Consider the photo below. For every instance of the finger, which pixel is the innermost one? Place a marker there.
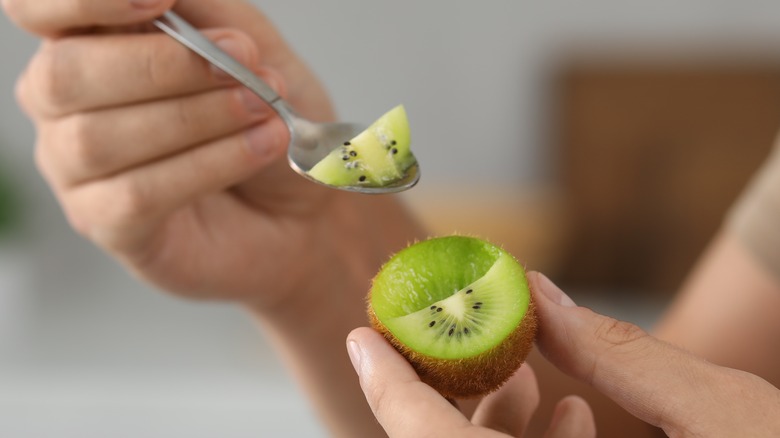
(118, 211)
(510, 409)
(240, 15)
(403, 404)
(51, 17)
(572, 418)
(86, 146)
(654, 381)
(309, 99)
(89, 73)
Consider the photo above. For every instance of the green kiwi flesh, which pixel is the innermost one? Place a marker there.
(378, 156)
(460, 310)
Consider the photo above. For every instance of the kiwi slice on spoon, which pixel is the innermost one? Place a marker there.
(378, 156)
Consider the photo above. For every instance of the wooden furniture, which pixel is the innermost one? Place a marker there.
(652, 154)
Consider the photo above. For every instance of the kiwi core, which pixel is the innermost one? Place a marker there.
(451, 298)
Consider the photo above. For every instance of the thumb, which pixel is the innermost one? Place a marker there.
(306, 95)
(238, 14)
(651, 379)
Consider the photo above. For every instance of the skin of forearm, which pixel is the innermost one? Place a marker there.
(309, 331)
(727, 311)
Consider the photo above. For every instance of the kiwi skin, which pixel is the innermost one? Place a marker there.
(473, 376)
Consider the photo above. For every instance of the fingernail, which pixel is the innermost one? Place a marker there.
(234, 49)
(252, 102)
(553, 292)
(353, 349)
(144, 3)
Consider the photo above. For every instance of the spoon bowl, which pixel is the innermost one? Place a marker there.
(309, 141)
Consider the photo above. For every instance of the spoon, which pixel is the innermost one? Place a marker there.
(309, 141)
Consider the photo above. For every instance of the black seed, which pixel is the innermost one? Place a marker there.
(345, 157)
(451, 332)
(478, 303)
(470, 291)
(393, 143)
(353, 153)
(362, 178)
(476, 307)
(432, 323)
(394, 151)
(439, 309)
(465, 330)
(433, 307)
(346, 143)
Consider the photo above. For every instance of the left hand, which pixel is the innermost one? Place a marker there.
(406, 407)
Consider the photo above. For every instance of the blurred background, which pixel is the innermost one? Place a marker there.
(601, 142)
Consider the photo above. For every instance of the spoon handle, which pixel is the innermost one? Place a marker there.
(183, 32)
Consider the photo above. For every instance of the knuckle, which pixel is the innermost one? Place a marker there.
(378, 397)
(77, 221)
(615, 333)
(22, 93)
(12, 9)
(43, 162)
(161, 65)
(614, 340)
(128, 202)
(82, 7)
(248, 48)
(51, 76)
(234, 104)
(242, 46)
(105, 212)
(184, 115)
(156, 66)
(85, 150)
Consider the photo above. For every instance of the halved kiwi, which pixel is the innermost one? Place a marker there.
(459, 309)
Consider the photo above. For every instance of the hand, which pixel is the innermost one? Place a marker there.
(181, 175)
(406, 407)
(174, 169)
(655, 381)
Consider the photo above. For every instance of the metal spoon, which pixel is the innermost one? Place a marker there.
(309, 141)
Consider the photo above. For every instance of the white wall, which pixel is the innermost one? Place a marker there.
(473, 77)
(473, 73)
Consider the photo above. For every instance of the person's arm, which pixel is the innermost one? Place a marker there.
(727, 311)
(657, 382)
(178, 173)
(309, 331)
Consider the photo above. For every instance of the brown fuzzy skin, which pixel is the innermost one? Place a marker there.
(472, 376)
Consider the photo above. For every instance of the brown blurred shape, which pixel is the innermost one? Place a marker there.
(652, 154)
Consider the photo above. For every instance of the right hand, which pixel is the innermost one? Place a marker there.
(661, 384)
(407, 407)
(657, 382)
(173, 168)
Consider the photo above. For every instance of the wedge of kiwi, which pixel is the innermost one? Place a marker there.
(459, 309)
(378, 156)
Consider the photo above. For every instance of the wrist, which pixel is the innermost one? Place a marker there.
(354, 235)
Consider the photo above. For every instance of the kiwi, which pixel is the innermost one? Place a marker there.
(459, 309)
(378, 156)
